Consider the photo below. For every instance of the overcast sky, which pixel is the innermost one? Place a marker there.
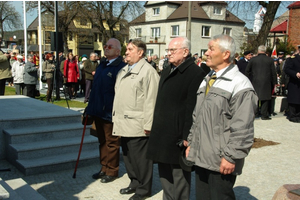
(249, 23)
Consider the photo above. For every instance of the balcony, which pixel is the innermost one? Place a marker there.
(154, 40)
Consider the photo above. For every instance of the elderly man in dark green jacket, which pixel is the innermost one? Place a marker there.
(90, 70)
(5, 71)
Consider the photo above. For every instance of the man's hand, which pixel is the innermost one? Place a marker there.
(187, 151)
(147, 132)
(93, 73)
(226, 167)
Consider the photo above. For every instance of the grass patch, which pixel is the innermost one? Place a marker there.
(259, 142)
(62, 102)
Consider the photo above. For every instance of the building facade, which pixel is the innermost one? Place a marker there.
(163, 21)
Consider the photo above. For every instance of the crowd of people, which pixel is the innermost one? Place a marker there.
(182, 112)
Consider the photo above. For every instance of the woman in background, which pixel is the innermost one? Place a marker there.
(18, 74)
(71, 75)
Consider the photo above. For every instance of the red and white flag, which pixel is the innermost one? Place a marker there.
(274, 52)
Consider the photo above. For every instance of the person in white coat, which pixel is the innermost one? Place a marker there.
(18, 74)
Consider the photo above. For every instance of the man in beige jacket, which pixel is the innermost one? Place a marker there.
(135, 95)
(5, 71)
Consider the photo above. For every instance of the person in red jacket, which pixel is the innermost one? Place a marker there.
(71, 74)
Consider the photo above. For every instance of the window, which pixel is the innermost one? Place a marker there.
(83, 22)
(70, 36)
(175, 30)
(205, 31)
(156, 11)
(203, 51)
(155, 32)
(138, 32)
(227, 31)
(96, 37)
(217, 10)
(149, 52)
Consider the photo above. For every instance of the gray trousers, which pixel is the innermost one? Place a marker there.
(175, 181)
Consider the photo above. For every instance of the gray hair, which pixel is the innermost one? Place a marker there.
(93, 53)
(29, 56)
(226, 43)
(186, 43)
(262, 48)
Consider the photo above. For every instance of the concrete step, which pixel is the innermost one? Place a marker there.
(58, 162)
(52, 147)
(24, 190)
(35, 120)
(9, 193)
(42, 133)
(3, 192)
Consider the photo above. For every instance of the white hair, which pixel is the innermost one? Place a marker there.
(226, 43)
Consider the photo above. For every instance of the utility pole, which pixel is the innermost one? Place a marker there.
(189, 20)
(57, 74)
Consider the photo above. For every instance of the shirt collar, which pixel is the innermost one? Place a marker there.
(219, 73)
(111, 61)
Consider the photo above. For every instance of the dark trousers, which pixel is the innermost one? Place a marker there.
(212, 185)
(139, 169)
(175, 181)
(88, 87)
(50, 88)
(294, 112)
(109, 147)
(30, 90)
(264, 108)
(2, 86)
(19, 88)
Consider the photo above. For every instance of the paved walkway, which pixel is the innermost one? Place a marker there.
(266, 169)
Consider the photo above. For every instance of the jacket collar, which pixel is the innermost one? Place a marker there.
(137, 68)
(116, 62)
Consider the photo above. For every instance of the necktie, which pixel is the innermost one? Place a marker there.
(210, 82)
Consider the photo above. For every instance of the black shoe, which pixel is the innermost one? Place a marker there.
(274, 114)
(137, 197)
(266, 118)
(127, 190)
(98, 175)
(107, 179)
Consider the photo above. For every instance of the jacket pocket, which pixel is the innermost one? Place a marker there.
(133, 114)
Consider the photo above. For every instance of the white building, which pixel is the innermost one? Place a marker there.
(164, 20)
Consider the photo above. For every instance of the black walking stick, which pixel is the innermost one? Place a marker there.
(74, 175)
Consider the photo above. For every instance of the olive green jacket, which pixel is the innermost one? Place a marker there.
(5, 69)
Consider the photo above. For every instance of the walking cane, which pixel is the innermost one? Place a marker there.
(74, 175)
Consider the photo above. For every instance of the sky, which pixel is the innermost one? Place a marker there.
(249, 18)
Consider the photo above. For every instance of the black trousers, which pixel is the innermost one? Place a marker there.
(264, 108)
(212, 185)
(294, 112)
(175, 181)
(139, 169)
(30, 90)
(2, 86)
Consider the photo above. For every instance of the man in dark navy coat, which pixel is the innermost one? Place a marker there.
(292, 69)
(172, 120)
(242, 63)
(100, 107)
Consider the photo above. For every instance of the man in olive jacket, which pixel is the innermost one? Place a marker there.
(5, 71)
(172, 120)
(90, 70)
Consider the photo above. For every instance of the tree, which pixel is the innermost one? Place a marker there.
(68, 10)
(108, 15)
(251, 6)
(9, 17)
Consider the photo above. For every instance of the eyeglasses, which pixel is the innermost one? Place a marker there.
(108, 46)
(173, 50)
